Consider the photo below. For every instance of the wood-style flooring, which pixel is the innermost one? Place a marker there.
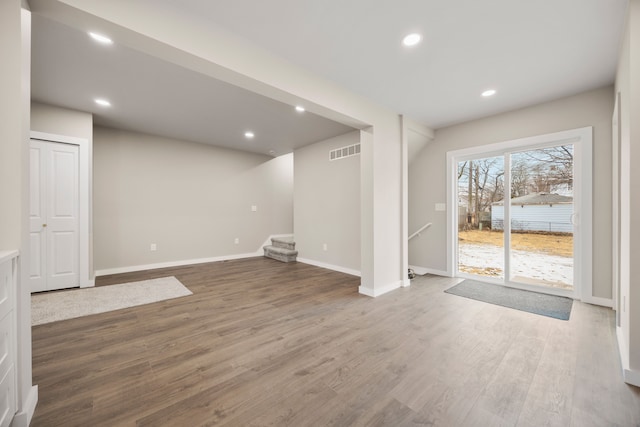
(263, 343)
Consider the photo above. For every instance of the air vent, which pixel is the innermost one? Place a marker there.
(341, 153)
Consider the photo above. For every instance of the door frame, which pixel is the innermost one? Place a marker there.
(582, 138)
(84, 202)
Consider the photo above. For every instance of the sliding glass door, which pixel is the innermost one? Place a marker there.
(541, 217)
(480, 243)
(517, 217)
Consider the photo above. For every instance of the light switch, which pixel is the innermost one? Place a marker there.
(254, 208)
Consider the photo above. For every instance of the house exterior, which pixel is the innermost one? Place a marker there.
(536, 212)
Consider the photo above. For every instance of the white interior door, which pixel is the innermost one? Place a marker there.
(54, 220)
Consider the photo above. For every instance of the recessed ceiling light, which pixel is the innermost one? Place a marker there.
(249, 134)
(100, 38)
(102, 102)
(489, 92)
(300, 109)
(412, 39)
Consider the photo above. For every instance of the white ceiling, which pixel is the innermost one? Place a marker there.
(153, 96)
(529, 51)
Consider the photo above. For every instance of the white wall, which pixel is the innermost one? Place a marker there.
(15, 37)
(427, 173)
(233, 60)
(10, 131)
(57, 120)
(628, 86)
(61, 121)
(27, 392)
(191, 200)
(327, 204)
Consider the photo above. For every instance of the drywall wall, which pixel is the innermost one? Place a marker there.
(191, 200)
(27, 392)
(628, 88)
(235, 61)
(15, 87)
(10, 131)
(622, 87)
(61, 121)
(57, 120)
(326, 208)
(634, 195)
(427, 173)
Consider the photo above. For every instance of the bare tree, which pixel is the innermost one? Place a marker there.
(470, 212)
(519, 179)
(461, 168)
(551, 168)
(480, 183)
(497, 191)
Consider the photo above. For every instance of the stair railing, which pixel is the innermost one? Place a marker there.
(420, 230)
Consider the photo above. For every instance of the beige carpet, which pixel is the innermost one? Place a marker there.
(53, 306)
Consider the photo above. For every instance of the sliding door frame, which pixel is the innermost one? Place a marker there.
(582, 141)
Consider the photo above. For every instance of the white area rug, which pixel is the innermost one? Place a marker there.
(54, 306)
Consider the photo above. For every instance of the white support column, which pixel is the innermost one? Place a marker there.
(15, 42)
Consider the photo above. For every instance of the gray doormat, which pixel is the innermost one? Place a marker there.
(532, 302)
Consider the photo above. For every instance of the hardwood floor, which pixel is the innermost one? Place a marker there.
(266, 343)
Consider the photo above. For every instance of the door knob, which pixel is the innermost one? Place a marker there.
(44, 225)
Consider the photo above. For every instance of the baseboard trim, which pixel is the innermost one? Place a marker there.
(132, 268)
(605, 302)
(181, 263)
(23, 418)
(329, 266)
(631, 377)
(628, 375)
(424, 270)
(622, 348)
(379, 291)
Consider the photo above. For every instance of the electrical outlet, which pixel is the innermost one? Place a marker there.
(237, 241)
(441, 207)
(324, 247)
(153, 247)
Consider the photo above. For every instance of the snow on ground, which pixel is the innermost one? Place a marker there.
(531, 265)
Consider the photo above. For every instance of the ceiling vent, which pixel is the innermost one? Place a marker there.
(341, 153)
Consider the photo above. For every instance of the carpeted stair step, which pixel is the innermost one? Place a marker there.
(283, 243)
(280, 254)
